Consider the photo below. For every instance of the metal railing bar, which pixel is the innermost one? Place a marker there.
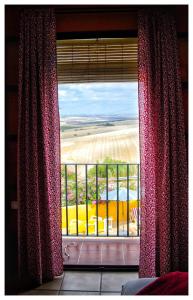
(138, 200)
(86, 175)
(117, 200)
(107, 200)
(94, 235)
(66, 187)
(97, 199)
(96, 164)
(120, 179)
(101, 235)
(128, 200)
(76, 199)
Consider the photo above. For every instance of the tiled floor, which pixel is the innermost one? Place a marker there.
(108, 252)
(85, 283)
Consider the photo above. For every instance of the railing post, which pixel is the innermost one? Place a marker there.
(86, 176)
(76, 199)
(107, 200)
(138, 200)
(97, 199)
(128, 200)
(66, 187)
(117, 200)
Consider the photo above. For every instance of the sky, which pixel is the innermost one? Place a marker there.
(99, 99)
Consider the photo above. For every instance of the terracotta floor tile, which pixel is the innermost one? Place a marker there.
(112, 256)
(112, 262)
(90, 255)
(133, 241)
(91, 246)
(131, 258)
(89, 252)
(131, 247)
(112, 248)
(93, 262)
(76, 245)
(128, 249)
(71, 261)
(112, 251)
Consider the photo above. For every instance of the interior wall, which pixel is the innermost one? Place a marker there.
(69, 19)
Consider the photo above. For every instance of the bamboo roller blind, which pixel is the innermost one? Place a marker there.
(97, 60)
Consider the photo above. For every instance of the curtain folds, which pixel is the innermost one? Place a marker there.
(164, 175)
(40, 238)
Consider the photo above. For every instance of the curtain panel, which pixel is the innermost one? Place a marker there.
(164, 175)
(40, 237)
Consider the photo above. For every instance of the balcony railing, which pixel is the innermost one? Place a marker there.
(101, 199)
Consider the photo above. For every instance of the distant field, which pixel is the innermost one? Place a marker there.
(89, 144)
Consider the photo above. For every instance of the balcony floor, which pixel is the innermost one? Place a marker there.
(101, 251)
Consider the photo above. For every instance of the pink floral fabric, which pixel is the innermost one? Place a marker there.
(164, 182)
(40, 238)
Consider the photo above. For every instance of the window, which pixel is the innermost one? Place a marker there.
(99, 136)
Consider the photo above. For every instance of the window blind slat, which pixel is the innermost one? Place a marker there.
(97, 60)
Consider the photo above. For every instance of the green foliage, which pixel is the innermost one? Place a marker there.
(108, 124)
(65, 127)
(112, 169)
(79, 191)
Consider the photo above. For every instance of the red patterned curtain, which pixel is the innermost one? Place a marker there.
(164, 182)
(40, 238)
